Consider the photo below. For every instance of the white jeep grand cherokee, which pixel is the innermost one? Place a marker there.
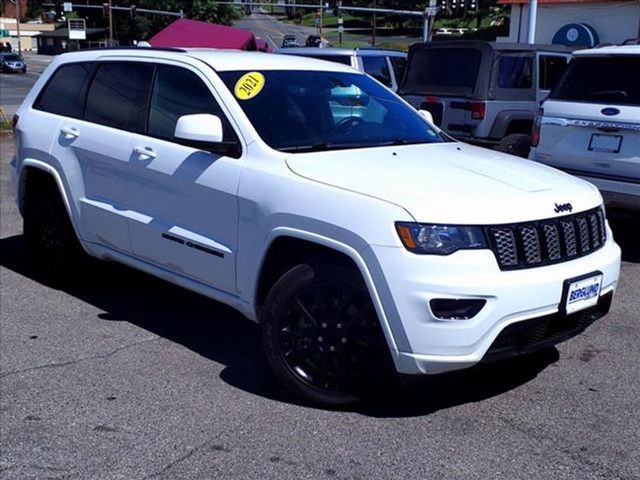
(312, 199)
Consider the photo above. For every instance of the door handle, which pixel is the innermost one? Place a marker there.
(70, 132)
(145, 151)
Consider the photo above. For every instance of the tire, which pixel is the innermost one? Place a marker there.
(53, 249)
(321, 335)
(517, 144)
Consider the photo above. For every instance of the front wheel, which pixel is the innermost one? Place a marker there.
(321, 334)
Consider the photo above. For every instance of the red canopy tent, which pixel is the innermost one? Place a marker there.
(194, 33)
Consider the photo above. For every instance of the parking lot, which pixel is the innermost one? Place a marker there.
(125, 376)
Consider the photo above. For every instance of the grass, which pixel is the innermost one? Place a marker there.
(331, 21)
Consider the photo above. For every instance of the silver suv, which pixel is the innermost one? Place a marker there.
(386, 66)
(483, 93)
(590, 124)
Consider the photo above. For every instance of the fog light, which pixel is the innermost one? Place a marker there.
(456, 309)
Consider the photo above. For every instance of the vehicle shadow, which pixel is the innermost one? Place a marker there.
(223, 335)
(624, 224)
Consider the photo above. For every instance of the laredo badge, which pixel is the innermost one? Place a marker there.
(249, 85)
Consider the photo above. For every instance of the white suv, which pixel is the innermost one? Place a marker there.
(590, 124)
(360, 242)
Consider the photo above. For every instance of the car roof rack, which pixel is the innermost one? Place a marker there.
(132, 47)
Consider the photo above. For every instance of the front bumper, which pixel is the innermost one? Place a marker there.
(425, 344)
(13, 68)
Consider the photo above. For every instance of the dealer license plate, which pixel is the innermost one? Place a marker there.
(605, 143)
(582, 293)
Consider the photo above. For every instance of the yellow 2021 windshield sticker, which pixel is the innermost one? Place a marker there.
(249, 85)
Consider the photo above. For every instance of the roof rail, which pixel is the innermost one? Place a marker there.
(131, 47)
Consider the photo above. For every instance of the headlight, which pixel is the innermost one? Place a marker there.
(440, 239)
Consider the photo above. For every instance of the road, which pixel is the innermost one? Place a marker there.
(123, 376)
(271, 30)
(15, 86)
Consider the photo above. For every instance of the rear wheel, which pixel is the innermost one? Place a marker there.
(517, 144)
(321, 334)
(52, 247)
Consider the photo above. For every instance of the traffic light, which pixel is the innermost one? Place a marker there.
(132, 11)
(105, 9)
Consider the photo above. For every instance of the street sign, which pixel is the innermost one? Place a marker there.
(67, 7)
(340, 28)
(431, 11)
(77, 29)
(317, 21)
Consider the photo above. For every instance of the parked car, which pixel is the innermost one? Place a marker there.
(362, 245)
(263, 46)
(445, 31)
(313, 41)
(290, 41)
(12, 62)
(590, 124)
(484, 93)
(386, 66)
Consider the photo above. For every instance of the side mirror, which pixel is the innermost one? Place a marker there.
(199, 127)
(426, 114)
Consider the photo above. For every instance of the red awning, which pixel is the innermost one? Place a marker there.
(194, 33)
(509, 2)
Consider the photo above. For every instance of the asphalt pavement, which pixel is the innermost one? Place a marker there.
(124, 376)
(271, 30)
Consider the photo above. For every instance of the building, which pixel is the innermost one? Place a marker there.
(29, 32)
(57, 41)
(576, 22)
(9, 8)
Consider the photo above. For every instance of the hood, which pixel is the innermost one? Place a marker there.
(450, 183)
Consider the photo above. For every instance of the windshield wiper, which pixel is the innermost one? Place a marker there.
(316, 147)
(399, 141)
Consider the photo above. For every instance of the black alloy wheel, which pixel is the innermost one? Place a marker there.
(52, 247)
(322, 336)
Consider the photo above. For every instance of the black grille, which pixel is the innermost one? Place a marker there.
(534, 244)
(538, 333)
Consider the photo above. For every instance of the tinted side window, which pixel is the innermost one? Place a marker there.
(514, 72)
(378, 68)
(119, 94)
(178, 92)
(399, 64)
(344, 59)
(64, 93)
(551, 69)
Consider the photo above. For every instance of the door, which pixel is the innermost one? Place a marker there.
(184, 198)
(378, 68)
(549, 71)
(95, 147)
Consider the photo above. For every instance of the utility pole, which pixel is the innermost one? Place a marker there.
(17, 4)
(373, 27)
(110, 25)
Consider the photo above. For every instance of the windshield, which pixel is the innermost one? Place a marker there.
(298, 111)
(611, 80)
(11, 58)
(443, 70)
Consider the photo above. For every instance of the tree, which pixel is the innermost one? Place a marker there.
(143, 26)
(210, 11)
